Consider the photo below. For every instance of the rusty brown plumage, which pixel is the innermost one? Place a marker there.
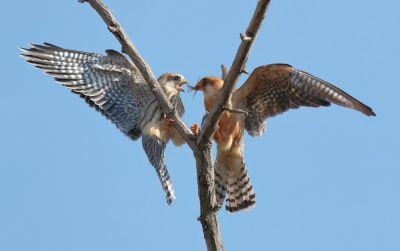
(270, 90)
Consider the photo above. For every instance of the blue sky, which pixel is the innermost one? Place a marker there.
(325, 179)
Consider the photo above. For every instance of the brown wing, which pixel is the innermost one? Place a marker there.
(274, 89)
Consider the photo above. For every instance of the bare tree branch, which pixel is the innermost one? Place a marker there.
(201, 150)
(204, 163)
(225, 71)
(127, 47)
(231, 110)
(245, 71)
(238, 66)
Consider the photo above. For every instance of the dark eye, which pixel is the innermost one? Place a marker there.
(176, 78)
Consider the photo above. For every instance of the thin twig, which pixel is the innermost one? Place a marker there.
(231, 110)
(225, 71)
(246, 38)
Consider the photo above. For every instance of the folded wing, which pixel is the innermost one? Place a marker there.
(274, 89)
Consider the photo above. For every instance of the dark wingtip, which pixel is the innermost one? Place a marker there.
(169, 201)
(365, 109)
(371, 113)
(52, 45)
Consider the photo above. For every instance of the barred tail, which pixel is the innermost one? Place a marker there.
(221, 183)
(155, 148)
(241, 196)
(166, 183)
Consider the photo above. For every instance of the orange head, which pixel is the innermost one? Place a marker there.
(210, 85)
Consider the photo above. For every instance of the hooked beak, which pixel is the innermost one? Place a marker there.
(182, 83)
(198, 86)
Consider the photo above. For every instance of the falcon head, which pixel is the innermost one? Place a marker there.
(172, 83)
(209, 85)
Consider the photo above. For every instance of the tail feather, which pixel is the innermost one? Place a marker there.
(166, 183)
(221, 187)
(155, 148)
(241, 196)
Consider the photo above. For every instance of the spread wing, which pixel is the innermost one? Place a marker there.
(109, 83)
(274, 89)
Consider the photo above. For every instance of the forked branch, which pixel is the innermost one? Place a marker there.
(201, 150)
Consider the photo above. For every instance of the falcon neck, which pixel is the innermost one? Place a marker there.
(211, 87)
(169, 91)
(210, 100)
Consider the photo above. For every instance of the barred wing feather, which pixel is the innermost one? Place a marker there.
(109, 83)
(273, 89)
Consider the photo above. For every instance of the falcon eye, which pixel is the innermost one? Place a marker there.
(176, 78)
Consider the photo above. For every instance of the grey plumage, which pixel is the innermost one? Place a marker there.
(110, 83)
(113, 86)
(155, 151)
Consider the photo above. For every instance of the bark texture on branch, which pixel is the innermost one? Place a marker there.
(208, 203)
(202, 148)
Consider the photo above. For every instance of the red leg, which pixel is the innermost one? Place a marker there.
(167, 126)
(195, 129)
(218, 134)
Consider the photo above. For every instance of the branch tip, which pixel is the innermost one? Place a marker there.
(225, 71)
(216, 207)
(113, 29)
(245, 71)
(245, 38)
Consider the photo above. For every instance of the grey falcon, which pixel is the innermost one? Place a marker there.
(113, 86)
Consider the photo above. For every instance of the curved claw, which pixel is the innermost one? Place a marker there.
(195, 129)
(167, 126)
